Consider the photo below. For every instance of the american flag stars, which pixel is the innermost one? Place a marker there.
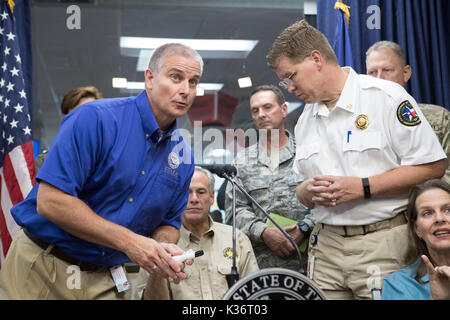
(16, 145)
(16, 124)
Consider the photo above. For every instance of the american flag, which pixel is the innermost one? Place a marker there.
(17, 174)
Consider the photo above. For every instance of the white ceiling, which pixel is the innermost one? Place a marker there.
(64, 59)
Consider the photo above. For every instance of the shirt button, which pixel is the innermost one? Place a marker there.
(103, 253)
(130, 200)
(147, 135)
(143, 172)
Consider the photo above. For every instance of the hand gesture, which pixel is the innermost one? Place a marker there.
(439, 278)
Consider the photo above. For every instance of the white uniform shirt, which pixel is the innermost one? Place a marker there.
(329, 143)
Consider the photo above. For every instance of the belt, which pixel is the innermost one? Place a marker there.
(58, 253)
(350, 231)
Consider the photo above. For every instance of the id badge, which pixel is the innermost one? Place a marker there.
(311, 267)
(119, 277)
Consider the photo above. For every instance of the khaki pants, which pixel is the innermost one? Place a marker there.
(349, 267)
(29, 272)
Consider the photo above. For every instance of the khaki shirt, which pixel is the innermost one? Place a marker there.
(207, 276)
(439, 119)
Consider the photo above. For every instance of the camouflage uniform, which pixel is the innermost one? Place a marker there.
(39, 160)
(274, 190)
(439, 119)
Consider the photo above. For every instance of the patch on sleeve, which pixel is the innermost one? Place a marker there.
(407, 115)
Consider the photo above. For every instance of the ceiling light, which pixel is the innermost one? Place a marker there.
(210, 86)
(200, 91)
(208, 48)
(130, 85)
(245, 82)
(136, 85)
(197, 44)
(119, 82)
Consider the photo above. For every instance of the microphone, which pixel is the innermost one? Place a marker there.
(221, 169)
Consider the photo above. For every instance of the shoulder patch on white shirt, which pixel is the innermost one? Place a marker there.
(407, 115)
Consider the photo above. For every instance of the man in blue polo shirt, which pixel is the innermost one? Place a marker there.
(111, 190)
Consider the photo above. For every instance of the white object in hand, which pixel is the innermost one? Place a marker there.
(190, 254)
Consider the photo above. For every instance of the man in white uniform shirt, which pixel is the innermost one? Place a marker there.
(361, 145)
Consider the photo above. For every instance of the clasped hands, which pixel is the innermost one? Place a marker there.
(330, 191)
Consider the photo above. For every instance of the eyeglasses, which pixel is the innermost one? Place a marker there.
(286, 82)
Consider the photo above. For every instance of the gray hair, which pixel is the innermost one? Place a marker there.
(383, 45)
(168, 49)
(276, 91)
(209, 175)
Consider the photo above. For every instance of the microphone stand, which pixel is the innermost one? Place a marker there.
(233, 277)
(230, 178)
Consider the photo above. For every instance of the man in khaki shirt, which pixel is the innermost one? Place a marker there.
(207, 276)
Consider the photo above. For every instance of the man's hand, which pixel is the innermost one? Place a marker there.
(295, 233)
(308, 189)
(277, 242)
(156, 257)
(330, 191)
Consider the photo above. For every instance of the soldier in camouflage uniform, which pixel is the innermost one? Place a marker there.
(439, 119)
(385, 60)
(265, 171)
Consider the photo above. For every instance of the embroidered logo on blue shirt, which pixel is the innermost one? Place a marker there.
(174, 160)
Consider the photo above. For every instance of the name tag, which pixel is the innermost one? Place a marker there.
(120, 279)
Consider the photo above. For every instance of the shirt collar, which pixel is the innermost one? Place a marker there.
(151, 127)
(347, 99)
(186, 236)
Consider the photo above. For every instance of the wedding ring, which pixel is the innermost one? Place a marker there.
(154, 267)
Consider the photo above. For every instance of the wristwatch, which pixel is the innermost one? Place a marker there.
(303, 226)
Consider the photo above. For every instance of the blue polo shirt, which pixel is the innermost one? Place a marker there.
(401, 285)
(111, 154)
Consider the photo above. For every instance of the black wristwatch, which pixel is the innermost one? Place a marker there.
(303, 226)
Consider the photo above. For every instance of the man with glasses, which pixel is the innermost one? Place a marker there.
(264, 169)
(361, 145)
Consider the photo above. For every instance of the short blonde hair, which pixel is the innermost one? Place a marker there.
(296, 42)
